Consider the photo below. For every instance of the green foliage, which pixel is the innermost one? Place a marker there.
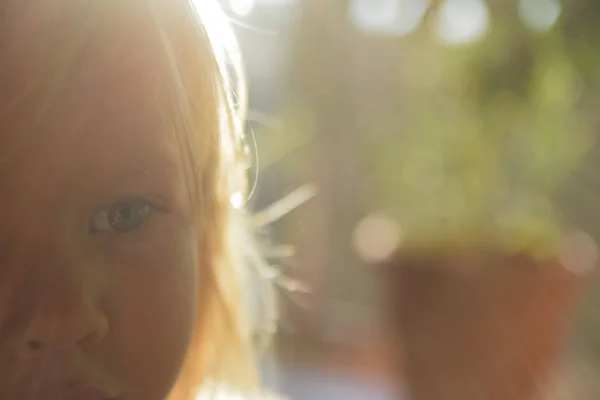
(487, 140)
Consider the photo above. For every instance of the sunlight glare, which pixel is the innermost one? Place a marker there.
(237, 200)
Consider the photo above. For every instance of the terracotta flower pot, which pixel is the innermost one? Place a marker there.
(477, 324)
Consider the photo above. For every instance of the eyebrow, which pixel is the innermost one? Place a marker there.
(135, 170)
(156, 168)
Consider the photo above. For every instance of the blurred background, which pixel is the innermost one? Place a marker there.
(408, 113)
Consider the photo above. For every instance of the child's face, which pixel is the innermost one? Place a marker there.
(98, 264)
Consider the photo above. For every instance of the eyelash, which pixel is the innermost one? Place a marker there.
(112, 218)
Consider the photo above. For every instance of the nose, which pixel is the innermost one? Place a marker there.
(64, 314)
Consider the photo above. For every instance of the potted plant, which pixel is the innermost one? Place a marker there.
(485, 279)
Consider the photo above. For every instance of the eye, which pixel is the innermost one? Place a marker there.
(121, 217)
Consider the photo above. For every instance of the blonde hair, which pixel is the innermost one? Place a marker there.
(226, 340)
(202, 107)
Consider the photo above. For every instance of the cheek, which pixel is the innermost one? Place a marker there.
(155, 306)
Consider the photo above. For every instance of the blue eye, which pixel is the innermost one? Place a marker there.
(122, 217)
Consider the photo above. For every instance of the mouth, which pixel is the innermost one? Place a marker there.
(83, 393)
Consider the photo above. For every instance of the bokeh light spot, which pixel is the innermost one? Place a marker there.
(376, 237)
(374, 15)
(243, 8)
(394, 17)
(461, 21)
(539, 15)
(579, 253)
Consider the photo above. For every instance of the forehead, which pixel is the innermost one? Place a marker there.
(103, 124)
(99, 104)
